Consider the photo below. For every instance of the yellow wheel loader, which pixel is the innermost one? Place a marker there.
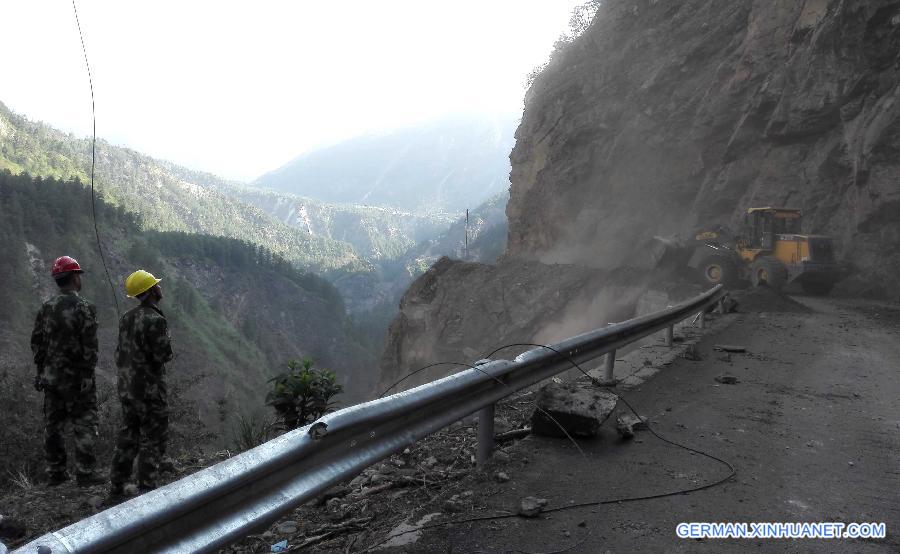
(770, 249)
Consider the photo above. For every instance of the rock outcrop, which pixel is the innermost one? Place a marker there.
(665, 115)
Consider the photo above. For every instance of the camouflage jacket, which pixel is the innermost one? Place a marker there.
(144, 343)
(64, 340)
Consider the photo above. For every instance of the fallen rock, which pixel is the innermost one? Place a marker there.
(531, 506)
(95, 502)
(726, 379)
(338, 491)
(288, 527)
(501, 477)
(379, 479)
(359, 481)
(729, 348)
(577, 407)
(627, 423)
(454, 506)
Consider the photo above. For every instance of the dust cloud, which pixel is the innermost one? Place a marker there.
(591, 310)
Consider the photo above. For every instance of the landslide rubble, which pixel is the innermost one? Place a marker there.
(461, 312)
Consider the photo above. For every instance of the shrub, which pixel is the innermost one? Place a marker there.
(302, 394)
(251, 431)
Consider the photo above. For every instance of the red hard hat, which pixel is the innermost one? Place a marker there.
(65, 264)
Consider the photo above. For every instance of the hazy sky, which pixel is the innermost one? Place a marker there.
(239, 88)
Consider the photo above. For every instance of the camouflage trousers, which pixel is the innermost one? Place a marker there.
(143, 434)
(78, 407)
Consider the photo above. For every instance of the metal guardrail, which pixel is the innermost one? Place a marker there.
(223, 503)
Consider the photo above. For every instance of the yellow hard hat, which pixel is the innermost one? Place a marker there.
(140, 282)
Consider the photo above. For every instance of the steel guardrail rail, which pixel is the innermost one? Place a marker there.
(225, 502)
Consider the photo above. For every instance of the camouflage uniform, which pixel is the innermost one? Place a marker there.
(144, 348)
(64, 344)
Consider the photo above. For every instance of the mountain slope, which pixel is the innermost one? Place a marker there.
(237, 312)
(166, 196)
(445, 165)
(375, 233)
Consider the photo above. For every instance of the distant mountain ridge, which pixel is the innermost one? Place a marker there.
(376, 233)
(446, 165)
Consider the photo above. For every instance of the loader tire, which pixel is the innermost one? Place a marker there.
(768, 271)
(717, 270)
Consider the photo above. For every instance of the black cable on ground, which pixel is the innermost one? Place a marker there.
(731, 469)
(112, 287)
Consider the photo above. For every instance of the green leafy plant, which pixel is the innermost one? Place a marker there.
(302, 394)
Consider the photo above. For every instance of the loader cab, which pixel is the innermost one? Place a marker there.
(763, 224)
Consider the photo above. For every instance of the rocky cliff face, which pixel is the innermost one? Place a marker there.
(665, 115)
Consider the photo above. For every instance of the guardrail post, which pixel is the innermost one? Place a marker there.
(609, 367)
(485, 436)
(703, 319)
(721, 305)
(670, 335)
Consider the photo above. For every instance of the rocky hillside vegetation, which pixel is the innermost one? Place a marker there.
(375, 233)
(167, 197)
(662, 116)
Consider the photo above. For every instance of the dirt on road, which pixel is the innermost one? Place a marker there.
(812, 427)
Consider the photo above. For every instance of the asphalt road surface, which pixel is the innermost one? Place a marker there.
(812, 429)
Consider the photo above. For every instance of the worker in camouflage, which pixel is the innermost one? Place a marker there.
(144, 348)
(64, 344)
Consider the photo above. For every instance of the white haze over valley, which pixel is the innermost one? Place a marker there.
(239, 88)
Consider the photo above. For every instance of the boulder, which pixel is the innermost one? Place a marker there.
(288, 527)
(727, 379)
(626, 424)
(531, 506)
(578, 407)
